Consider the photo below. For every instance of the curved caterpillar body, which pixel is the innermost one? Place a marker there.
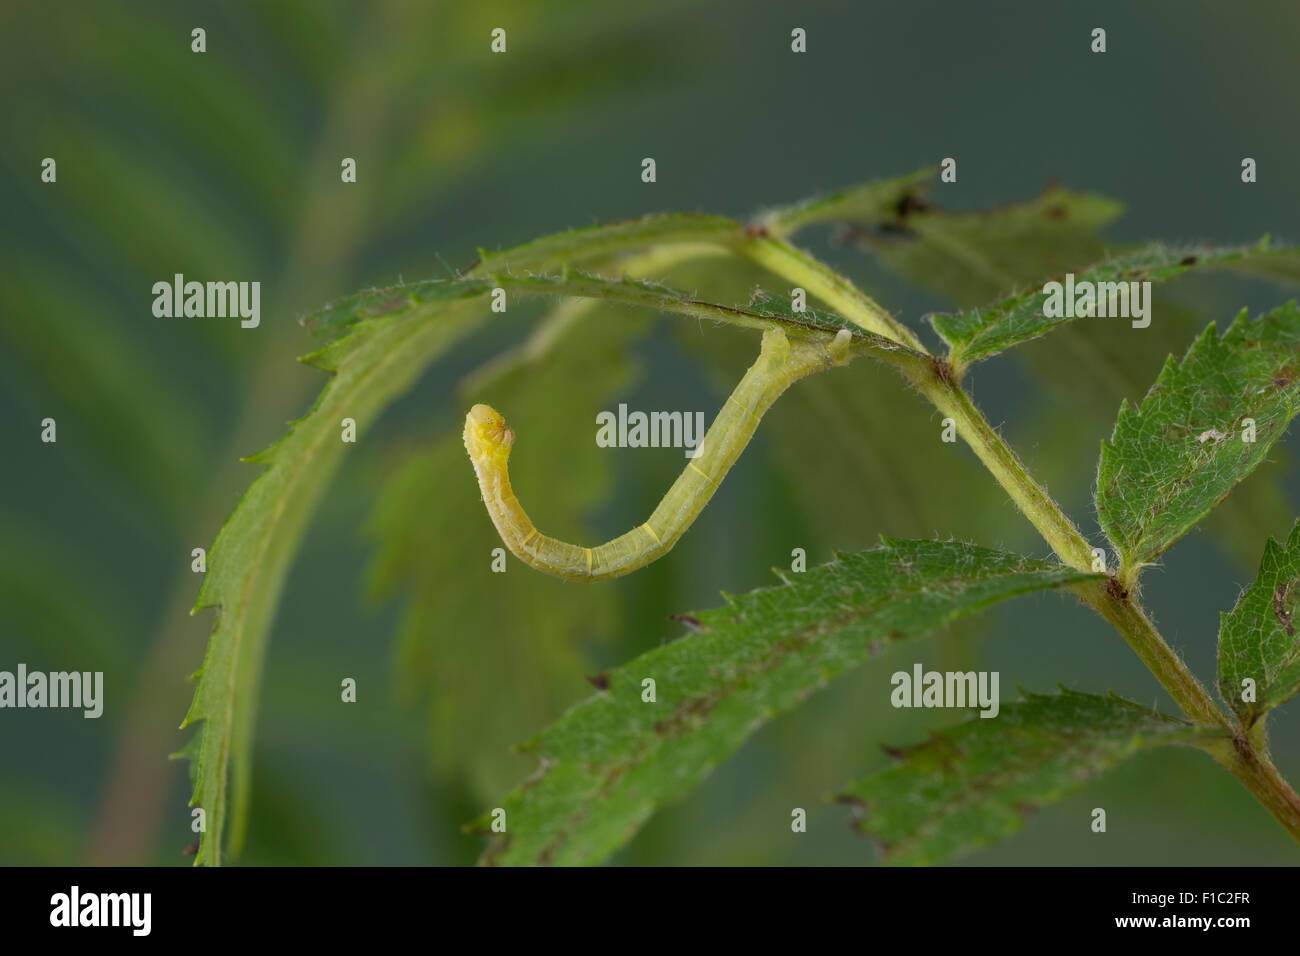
(780, 364)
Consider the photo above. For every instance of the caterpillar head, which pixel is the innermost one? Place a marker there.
(486, 434)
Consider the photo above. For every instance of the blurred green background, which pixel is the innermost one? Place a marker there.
(225, 165)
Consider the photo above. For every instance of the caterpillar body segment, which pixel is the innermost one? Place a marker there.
(488, 441)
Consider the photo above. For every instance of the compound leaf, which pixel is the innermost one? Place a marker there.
(378, 341)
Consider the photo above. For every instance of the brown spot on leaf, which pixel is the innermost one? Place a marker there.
(756, 230)
(1056, 212)
(1280, 609)
(1283, 379)
(693, 624)
(191, 850)
(688, 711)
(1187, 261)
(908, 204)
(387, 305)
(598, 681)
(1116, 590)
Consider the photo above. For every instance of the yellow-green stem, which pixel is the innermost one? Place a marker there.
(1245, 758)
(936, 384)
(825, 283)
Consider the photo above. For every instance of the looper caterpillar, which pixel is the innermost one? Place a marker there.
(780, 364)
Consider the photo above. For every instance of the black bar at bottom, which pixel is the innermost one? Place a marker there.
(933, 905)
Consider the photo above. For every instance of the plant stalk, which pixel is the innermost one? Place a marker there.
(937, 385)
(1231, 746)
(1255, 770)
(839, 293)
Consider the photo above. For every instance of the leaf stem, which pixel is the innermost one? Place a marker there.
(1250, 764)
(783, 259)
(1130, 619)
(1245, 758)
(936, 380)
(937, 384)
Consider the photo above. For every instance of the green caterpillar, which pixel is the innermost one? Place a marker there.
(488, 441)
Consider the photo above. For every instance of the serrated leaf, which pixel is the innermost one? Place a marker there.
(764, 311)
(191, 751)
(1177, 455)
(980, 333)
(336, 318)
(973, 785)
(372, 365)
(576, 245)
(609, 763)
(1259, 639)
(981, 256)
(1091, 368)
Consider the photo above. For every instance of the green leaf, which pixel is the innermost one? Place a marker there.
(1258, 638)
(247, 565)
(338, 318)
(1089, 369)
(977, 257)
(973, 785)
(611, 761)
(551, 252)
(869, 204)
(762, 312)
(1179, 453)
(981, 333)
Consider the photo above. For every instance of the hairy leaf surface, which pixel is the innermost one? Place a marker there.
(1259, 639)
(611, 761)
(980, 333)
(1173, 458)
